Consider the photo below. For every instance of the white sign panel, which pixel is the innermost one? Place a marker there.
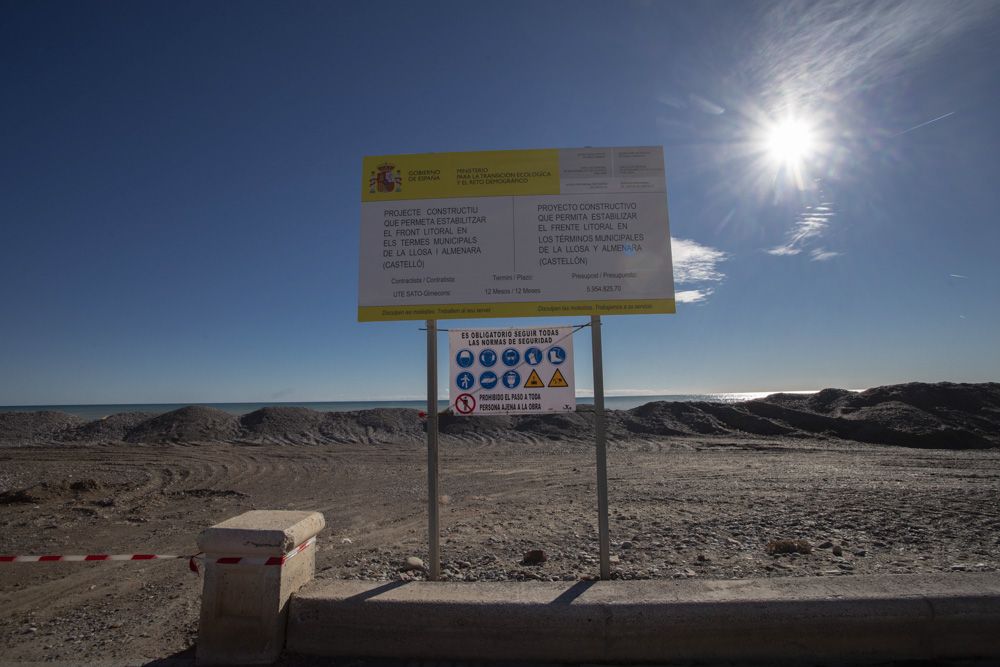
(581, 231)
(521, 370)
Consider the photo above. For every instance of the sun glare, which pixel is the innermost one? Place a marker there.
(790, 142)
(787, 150)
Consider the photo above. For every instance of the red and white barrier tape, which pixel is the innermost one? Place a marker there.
(51, 558)
(250, 560)
(223, 560)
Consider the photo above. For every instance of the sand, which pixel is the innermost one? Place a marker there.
(696, 490)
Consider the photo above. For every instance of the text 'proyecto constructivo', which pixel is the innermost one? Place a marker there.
(515, 233)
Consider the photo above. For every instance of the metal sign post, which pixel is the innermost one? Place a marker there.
(602, 450)
(447, 236)
(433, 529)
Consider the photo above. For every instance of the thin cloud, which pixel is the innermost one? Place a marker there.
(809, 225)
(805, 50)
(671, 101)
(695, 263)
(958, 275)
(707, 106)
(693, 295)
(822, 254)
(692, 101)
(784, 250)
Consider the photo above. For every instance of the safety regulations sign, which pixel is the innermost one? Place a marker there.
(511, 371)
(579, 231)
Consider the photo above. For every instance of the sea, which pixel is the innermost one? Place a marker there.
(610, 402)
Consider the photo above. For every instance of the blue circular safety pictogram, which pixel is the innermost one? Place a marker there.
(557, 355)
(465, 358)
(487, 357)
(511, 379)
(488, 380)
(465, 380)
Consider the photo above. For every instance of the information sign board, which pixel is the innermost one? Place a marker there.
(522, 370)
(581, 231)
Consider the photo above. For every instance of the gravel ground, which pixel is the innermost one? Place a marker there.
(685, 506)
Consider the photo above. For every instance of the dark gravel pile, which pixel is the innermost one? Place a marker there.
(942, 415)
(42, 426)
(193, 423)
(473, 427)
(916, 414)
(373, 426)
(282, 423)
(663, 418)
(565, 426)
(112, 428)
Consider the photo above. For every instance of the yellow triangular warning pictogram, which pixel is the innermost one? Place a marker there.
(558, 380)
(534, 381)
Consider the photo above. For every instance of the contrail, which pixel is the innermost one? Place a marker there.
(917, 127)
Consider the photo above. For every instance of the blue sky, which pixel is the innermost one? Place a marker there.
(179, 202)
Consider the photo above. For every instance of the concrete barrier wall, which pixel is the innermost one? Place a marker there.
(858, 619)
(253, 563)
(257, 561)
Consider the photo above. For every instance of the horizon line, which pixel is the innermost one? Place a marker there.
(413, 399)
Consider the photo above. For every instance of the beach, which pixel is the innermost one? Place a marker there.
(902, 479)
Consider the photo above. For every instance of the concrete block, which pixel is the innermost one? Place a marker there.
(802, 619)
(244, 605)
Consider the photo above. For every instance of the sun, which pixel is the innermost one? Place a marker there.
(788, 148)
(789, 142)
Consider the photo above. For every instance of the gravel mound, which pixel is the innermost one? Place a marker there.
(666, 418)
(475, 427)
(193, 423)
(825, 401)
(942, 415)
(561, 426)
(380, 425)
(282, 424)
(112, 428)
(28, 427)
(947, 398)
(896, 416)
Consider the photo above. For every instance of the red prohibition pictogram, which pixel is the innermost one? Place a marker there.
(465, 403)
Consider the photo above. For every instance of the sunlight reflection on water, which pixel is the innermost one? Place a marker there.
(610, 402)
